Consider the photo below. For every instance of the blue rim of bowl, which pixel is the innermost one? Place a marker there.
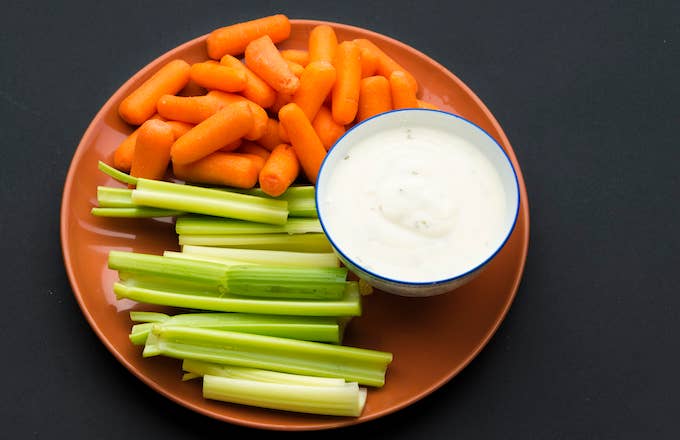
(421, 283)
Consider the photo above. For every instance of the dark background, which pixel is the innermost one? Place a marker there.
(587, 93)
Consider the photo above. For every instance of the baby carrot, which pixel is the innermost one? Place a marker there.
(270, 139)
(250, 147)
(260, 116)
(374, 97)
(263, 58)
(228, 169)
(152, 150)
(219, 77)
(386, 65)
(225, 126)
(345, 96)
(425, 104)
(316, 83)
(403, 93)
(192, 89)
(231, 146)
(140, 105)
(257, 90)
(233, 39)
(258, 161)
(192, 109)
(281, 100)
(369, 62)
(305, 141)
(296, 68)
(322, 43)
(296, 55)
(283, 134)
(122, 157)
(326, 128)
(179, 128)
(279, 171)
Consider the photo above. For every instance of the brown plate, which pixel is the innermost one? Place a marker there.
(432, 339)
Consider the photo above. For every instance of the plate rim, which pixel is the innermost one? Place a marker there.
(340, 422)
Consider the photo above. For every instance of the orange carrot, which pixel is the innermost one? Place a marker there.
(152, 150)
(326, 128)
(225, 126)
(374, 97)
(296, 55)
(281, 100)
(322, 43)
(219, 77)
(140, 105)
(192, 109)
(283, 134)
(403, 93)
(345, 96)
(250, 147)
(257, 90)
(279, 171)
(305, 141)
(192, 89)
(233, 39)
(316, 83)
(369, 62)
(228, 169)
(122, 157)
(270, 139)
(425, 104)
(386, 65)
(263, 58)
(231, 146)
(258, 161)
(179, 128)
(296, 68)
(260, 116)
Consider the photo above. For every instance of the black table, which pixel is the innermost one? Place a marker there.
(587, 93)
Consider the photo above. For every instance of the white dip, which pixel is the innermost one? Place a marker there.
(415, 204)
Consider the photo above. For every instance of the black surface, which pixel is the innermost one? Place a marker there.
(587, 93)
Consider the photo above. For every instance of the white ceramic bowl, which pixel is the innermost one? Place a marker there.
(458, 130)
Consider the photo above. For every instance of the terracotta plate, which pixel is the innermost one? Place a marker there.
(432, 338)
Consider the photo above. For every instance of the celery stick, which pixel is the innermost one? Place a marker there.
(301, 199)
(140, 316)
(207, 225)
(108, 197)
(209, 201)
(306, 328)
(282, 258)
(336, 401)
(201, 368)
(190, 376)
(353, 364)
(135, 212)
(311, 242)
(118, 175)
(326, 283)
(348, 305)
(224, 261)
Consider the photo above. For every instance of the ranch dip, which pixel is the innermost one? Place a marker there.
(415, 204)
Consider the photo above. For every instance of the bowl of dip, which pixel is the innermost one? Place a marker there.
(417, 202)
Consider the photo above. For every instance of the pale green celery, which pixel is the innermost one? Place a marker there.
(141, 316)
(136, 212)
(301, 199)
(223, 261)
(278, 258)
(306, 328)
(118, 175)
(310, 242)
(347, 400)
(326, 283)
(108, 197)
(207, 225)
(209, 201)
(201, 368)
(352, 364)
(348, 305)
(190, 376)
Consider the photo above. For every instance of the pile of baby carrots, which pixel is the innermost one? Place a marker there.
(256, 115)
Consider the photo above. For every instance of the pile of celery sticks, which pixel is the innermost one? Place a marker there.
(264, 297)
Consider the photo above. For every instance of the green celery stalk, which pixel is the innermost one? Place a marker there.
(348, 305)
(223, 261)
(207, 225)
(209, 201)
(114, 173)
(352, 364)
(201, 368)
(135, 212)
(301, 199)
(306, 328)
(108, 197)
(269, 257)
(311, 242)
(141, 316)
(347, 400)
